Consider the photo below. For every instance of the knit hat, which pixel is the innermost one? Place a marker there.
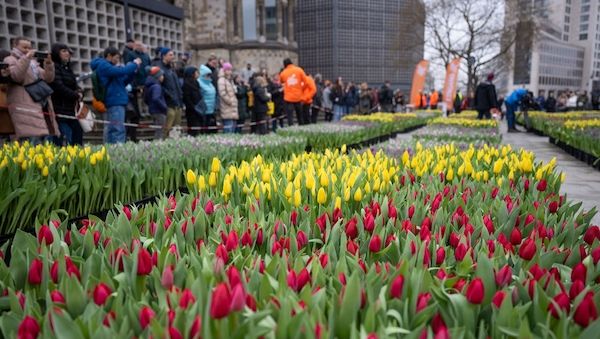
(189, 71)
(154, 71)
(164, 51)
(490, 76)
(227, 66)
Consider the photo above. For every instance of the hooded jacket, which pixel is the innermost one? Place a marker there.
(515, 97)
(485, 97)
(228, 100)
(65, 87)
(153, 96)
(114, 79)
(209, 92)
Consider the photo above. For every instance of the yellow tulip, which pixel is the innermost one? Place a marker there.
(338, 202)
(358, 195)
(450, 174)
(24, 165)
(45, 171)
(321, 196)
(266, 175)
(226, 186)
(323, 180)
(216, 165)
(201, 183)
(297, 198)
(93, 160)
(498, 166)
(191, 177)
(289, 190)
(310, 182)
(212, 179)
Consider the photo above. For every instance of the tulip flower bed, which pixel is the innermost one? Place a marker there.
(355, 130)
(34, 181)
(445, 243)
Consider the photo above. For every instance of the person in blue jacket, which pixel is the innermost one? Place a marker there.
(115, 80)
(512, 104)
(209, 95)
(155, 99)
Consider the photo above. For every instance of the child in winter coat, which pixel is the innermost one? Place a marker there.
(155, 99)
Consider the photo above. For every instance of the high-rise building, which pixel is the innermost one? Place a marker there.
(259, 32)
(89, 26)
(557, 46)
(359, 40)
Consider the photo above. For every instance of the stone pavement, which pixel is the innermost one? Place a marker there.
(582, 182)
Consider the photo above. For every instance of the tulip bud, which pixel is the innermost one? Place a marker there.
(440, 255)
(397, 286)
(187, 299)
(422, 301)
(144, 262)
(586, 311)
(34, 276)
(527, 249)
(351, 229)
(303, 279)
(146, 316)
(220, 302)
(541, 186)
(196, 328)
(28, 328)
(209, 208)
(503, 276)
(498, 298)
(101, 293)
(475, 291)
(579, 272)
(375, 244)
(57, 297)
(563, 302)
(45, 235)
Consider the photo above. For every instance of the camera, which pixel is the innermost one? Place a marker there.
(40, 55)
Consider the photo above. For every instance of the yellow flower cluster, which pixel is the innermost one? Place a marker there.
(464, 115)
(465, 122)
(582, 124)
(380, 117)
(45, 156)
(565, 116)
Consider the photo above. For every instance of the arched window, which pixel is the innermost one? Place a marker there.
(249, 19)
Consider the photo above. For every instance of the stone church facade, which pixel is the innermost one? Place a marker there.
(260, 32)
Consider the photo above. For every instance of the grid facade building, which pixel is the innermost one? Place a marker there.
(358, 40)
(89, 26)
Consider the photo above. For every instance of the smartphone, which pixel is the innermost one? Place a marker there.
(3, 65)
(41, 55)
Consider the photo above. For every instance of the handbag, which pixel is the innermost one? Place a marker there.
(85, 116)
(200, 108)
(39, 90)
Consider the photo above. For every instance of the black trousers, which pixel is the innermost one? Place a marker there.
(290, 108)
(193, 120)
(484, 114)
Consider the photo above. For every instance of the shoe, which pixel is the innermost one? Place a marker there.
(512, 130)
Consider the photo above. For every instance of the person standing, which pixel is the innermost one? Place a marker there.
(66, 95)
(261, 98)
(293, 80)
(242, 98)
(434, 99)
(228, 99)
(351, 98)
(386, 97)
(485, 98)
(191, 98)
(550, 104)
(317, 104)
(114, 79)
(541, 100)
(171, 89)
(155, 99)
(33, 120)
(247, 73)
(364, 101)
(338, 97)
(209, 95)
(327, 104)
(6, 125)
(276, 91)
(512, 103)
(458, 99)
(310, 90)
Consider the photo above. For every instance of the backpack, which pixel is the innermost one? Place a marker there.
(99, 93)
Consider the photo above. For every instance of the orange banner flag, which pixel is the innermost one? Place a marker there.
(451, 81)
(418, 83)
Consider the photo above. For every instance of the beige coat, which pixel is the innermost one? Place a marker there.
(228, 100)
(27, 115)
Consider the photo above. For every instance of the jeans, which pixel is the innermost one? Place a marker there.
(510, 116)
(229, 125)
(71, 132)
(159, 119)
(338, 112)
(114, 131)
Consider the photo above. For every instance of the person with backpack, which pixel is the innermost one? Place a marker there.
(155, 99)
(191, 98)
(109, 86)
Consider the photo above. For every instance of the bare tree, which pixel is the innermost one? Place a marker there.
(474, 30)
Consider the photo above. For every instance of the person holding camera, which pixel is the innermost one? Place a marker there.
(516, 98)
(28, 93)
(66, 95)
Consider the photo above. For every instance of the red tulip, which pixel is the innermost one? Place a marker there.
(259, 237)
(375, 244)
(563, 302)
(35, 272)
(167, 277)
(144, 266)
(369, 223)
(238, 299)
(246, 239)
(515, 236)
(372, 336)
(28, 329)
(196, 327)
(586, 311)
(127, 212)
(303, 279)
(475, 291)
(146, 316)
(541, 186)
(302, 239)
(352, 247)
(579, 272)
(351, 229)
(108, 318)
(440, 255)
(529, 219)
(187, 298)
(591, 234)
(596, 255)
(527, 249)
(174, 333)
(392, 211)
(537, 272)
(503, 276)
(57, 297)
(251, 302)
(221, 253)
(324, 259)
(576, 288)
(422, 301)
(233, 276)
(209, 208)
(498, 298)
(454, 240)
(101, 293)
(322, 222)
(553, 207)
(488, 223)
(460, 252)
(294, 218)
(396, 287)
(45, 235)
(220, 302)
(232, 241)
(411, 211)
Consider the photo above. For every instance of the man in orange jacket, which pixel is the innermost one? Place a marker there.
(434, 99)
(310, 89)
(293, 80)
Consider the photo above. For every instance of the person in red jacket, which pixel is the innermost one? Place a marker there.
(310, 89)
(293, 80)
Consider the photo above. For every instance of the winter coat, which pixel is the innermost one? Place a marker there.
(365, 102)
(27, 115)
(171, 87)
(191, 95)
(153, 96)
(293, 80)
(386, 95)
(65, 88)
(337, 96)
(114, 79)
(485, 97)
(550, 104)
(277, 97)
(310, 89)
(434, 99)
(227, 98)
(242, 98)
(261, 98)
(208, 91)
(351, 98)
(515, 97)
(327, 104)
